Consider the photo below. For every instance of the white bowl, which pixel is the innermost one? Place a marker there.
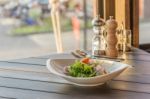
(56, 66)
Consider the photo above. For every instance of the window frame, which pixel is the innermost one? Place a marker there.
(126, 11)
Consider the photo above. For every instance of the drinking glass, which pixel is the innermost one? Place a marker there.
(127, 40)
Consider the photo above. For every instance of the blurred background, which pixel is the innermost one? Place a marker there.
(144, 34)
(26, 28)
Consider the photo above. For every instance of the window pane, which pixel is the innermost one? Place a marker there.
(144, 21)
(26, 27)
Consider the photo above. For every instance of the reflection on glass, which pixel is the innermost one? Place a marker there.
(127, 40)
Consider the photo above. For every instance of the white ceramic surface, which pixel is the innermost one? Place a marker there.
(55, 66)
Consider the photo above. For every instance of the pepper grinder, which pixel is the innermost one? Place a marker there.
(98, 41)
(111, 38)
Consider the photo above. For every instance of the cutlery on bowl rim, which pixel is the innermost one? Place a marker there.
(77, 55)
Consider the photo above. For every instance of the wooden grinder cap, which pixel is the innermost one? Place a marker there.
(111, 23)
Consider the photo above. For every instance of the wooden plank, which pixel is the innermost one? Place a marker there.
(114, 94)
(139, 51)
(61, 81)
(54, 84)
(134, 87)
(134, 78)
(29, 61)
(135, 22)
(42, 69)
(98, 7)
(139, 67)
(109, 9)
(136, 57)
(39, 68)
(1, 97)
(23, 71)
(122, 10)
(67, 89)
(27, 94)
(23, 67)
(34, 76)
(47, 77)
(48, 87)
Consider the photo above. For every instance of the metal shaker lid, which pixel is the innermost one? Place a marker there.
(97, 21)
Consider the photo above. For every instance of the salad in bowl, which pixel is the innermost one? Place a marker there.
(85, 67)
(86, 71)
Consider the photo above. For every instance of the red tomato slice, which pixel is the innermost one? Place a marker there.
(85, 60)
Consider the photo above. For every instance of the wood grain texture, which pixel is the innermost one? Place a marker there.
(122, 12)
(98, 8)
(135, 22)
(69, 90)
(23, 67)
(1, 97)
(29, 79)
(114, 94)
(128, 76)
(27, 94)
(109, 9)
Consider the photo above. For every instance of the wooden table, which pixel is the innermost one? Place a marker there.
(29, 79)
